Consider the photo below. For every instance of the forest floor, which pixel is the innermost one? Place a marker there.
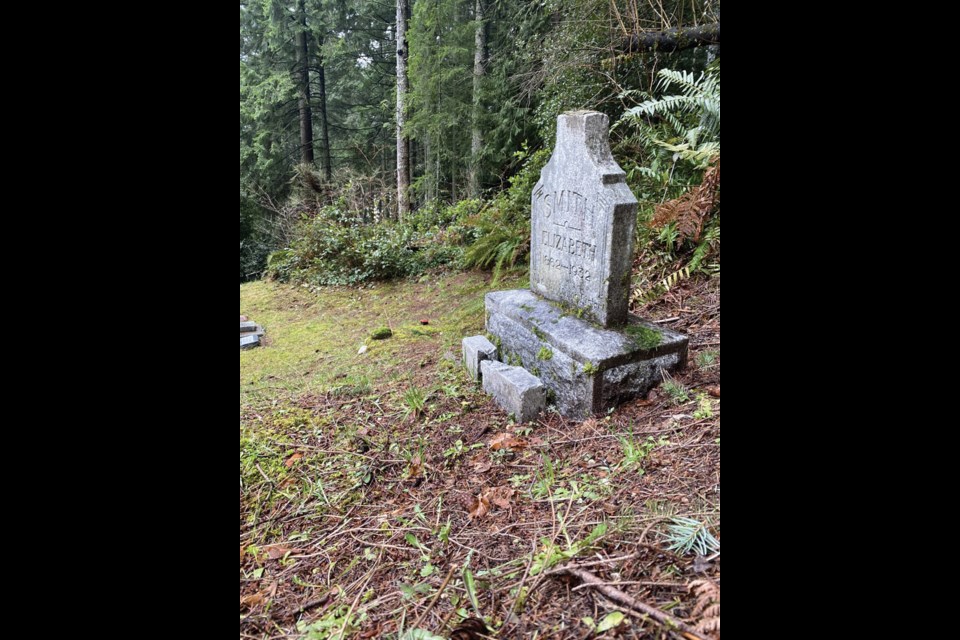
(383, 493)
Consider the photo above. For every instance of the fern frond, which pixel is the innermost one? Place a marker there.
(707, 609)
(676, 278)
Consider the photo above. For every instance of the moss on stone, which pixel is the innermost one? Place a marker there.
(645, 337)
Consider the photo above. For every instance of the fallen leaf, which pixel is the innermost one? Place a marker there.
(243, 553)
(260, 597)
(612, 621)
(483, 467)
(479, 507)
(507, 441)
(501, 497)
(252, 600)
(416, 467)
(277, 551)
(293, 460)
(714, 391)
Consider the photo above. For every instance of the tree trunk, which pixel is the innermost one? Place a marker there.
(479, 71)
(303, 85)
(324, 123)
(673, 39)
(403, 87)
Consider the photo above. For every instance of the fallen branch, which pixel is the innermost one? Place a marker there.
(619, 597)
(673, 39)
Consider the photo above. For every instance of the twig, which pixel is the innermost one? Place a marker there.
(436, 598)
(265, 477)
(619, 597)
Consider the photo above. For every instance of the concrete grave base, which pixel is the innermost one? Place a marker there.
(587, 369)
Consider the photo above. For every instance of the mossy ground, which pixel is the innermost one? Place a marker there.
(313, 338)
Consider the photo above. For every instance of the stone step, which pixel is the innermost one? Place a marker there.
(249, 342)
(516, 390)
(476, 349)
(248, 327)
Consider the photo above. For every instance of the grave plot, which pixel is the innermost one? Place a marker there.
(572, 330)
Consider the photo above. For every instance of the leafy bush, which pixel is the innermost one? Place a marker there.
(339, 247)
(335, 248)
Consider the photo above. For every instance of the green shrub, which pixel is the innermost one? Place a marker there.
(338, 248)
(503, 227)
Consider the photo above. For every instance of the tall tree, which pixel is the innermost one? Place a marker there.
(324, 116)
(403, 88)
(479, 71)
(303, 85)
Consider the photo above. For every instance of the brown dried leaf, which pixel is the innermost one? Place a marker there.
(479, 507)
(293, 460)
(714, 391)
(483, 467)
(501, 497)
(251, 600)
(259, 597)
(277, 551)
(509, 442)
(416, 467)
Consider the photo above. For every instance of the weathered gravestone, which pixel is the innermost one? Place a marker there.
(250, 334)
(573, 330)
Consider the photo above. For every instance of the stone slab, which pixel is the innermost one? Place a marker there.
(587, 368)
(476, 349)
(516, 391)
(249, 342)
(584, 219)
(248, 327)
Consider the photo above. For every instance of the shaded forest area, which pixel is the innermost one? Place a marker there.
(383, 139)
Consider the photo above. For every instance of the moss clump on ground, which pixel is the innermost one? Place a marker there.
(383, 333)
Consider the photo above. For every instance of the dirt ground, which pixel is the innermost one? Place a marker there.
(383, 496)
